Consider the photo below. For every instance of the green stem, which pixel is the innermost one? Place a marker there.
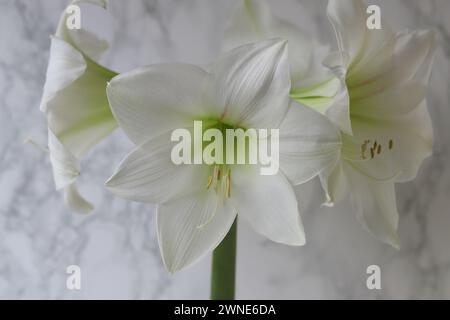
(224, 267)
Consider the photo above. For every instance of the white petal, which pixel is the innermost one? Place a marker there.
(76, 107)
(268, 203)
(348, 18)
(84, 41)
(183, 236)
(408, 60)
(151, 100)
(309, 142)
(90, 44)
(250, 85)
(253, 21)
(413, 56)
(335, 183)
(395, 100)
(339, 110)
(66, 64)
(74, 99)
(377, 208)
(75, 201)
(149, 175)
(66, 169)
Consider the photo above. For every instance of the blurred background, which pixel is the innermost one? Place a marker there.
(116, 245)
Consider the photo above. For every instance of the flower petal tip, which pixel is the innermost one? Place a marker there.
(76, 202)
(170, 267)
(301, 242)
(395, 242)
(327, 204)
(110, 183)
(278, 43)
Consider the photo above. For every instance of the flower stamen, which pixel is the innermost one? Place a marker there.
(220, 179)
(228, 184)
(364, 149)
(375, 150)
(210, 178)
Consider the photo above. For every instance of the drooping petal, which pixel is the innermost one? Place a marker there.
(66, 65)
(75, 201)
(151, 100)
(77, 111)
(66, 169)
(183, 235)
(376, 206)
(250, 85)
(148, 174)
(83, 40)
(75, 104)
(252, 21)
(267, 203)
(74, 98)
(309, 142)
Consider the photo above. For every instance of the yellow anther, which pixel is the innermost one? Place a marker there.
(210, 179)
(216, 173)
(364, 149)
(220, 180)
(391, 144)
(228, 184)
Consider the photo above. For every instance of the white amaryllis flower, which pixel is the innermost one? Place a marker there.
(197, 204)
(386, 75)
(75, 103)
(313, 84)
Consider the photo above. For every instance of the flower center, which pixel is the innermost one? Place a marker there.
(220, 175)
(355, 149)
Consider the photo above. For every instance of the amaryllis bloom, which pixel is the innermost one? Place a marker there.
(198, 203)
(386, 75)
(312, 83)
(75, 104)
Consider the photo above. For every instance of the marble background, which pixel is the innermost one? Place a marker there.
(116, 246)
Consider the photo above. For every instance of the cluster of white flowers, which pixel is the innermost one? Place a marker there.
(356, 118)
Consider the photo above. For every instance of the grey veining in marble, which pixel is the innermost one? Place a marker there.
(116, 246)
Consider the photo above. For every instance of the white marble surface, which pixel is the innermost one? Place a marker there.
(116, 245)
